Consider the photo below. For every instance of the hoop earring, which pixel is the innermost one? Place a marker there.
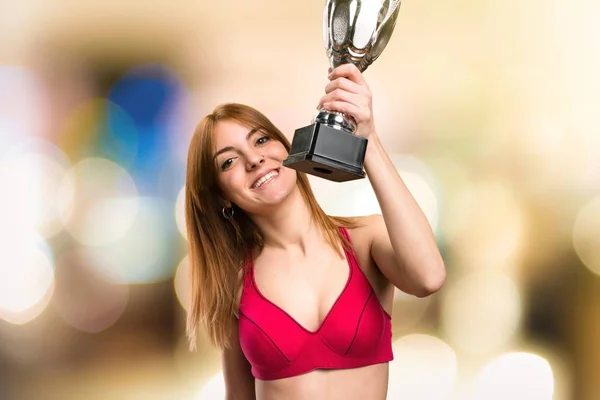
(228, 215)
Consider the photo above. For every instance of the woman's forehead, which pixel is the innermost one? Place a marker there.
(228, 129)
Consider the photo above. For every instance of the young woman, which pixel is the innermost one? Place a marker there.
(298, 301)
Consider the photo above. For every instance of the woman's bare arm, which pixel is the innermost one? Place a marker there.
(403, 244)
(239, 382)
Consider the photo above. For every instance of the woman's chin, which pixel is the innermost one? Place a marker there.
(269, 201)
(275, 199)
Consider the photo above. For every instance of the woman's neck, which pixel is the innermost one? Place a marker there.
(290, 226)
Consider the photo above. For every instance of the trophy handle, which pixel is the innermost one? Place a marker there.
(384, 30)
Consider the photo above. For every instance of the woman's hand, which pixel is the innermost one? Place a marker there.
(348, 93)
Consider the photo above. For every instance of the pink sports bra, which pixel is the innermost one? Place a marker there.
(356, 331)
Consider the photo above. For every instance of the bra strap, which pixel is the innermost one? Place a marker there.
(248, 265)
(350, 253)
(344, 232)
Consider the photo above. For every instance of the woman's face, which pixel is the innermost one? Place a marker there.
(249, 167)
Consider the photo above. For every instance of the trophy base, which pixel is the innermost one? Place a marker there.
(327, 152)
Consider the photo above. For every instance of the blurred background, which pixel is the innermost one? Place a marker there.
(490, 110)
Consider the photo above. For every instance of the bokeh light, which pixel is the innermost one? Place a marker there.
(199, 366)
(452, 177)
(26, 277)
(98, 201)
(142, 252)
(153, 97)
(102, 129)
(515, 376)
(183, 285)
(180, 213)
(83, 298)
(213, 389)
(424, 368)
(422, 184)
(31, 173)
(481, 311)
(586, 235)
(485, 225)
(409, 309)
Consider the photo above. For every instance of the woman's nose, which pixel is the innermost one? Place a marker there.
(255, 160)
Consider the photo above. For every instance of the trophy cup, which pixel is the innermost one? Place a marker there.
(354, 31)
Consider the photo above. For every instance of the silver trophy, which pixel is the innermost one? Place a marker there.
(354, 31)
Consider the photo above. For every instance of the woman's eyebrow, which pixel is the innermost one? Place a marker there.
(229, 148)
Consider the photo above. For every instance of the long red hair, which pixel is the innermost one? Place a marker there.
(218, 248)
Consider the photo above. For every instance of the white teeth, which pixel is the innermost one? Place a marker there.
(264, 179)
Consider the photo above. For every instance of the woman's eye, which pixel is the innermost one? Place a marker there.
(227, 163)
(262, 140)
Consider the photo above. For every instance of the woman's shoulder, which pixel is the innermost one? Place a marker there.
(367, 220)
(360, 222)
(361, 228)
(357, 221)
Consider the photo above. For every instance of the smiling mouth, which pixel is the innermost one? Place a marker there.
(266, 178)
